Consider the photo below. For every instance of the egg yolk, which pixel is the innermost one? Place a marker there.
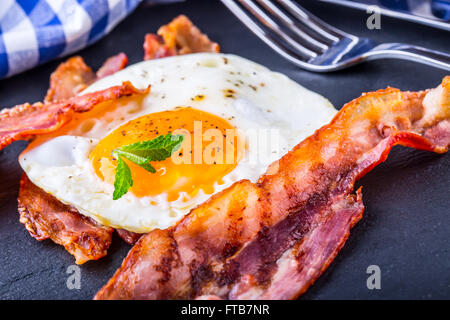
(211, 148)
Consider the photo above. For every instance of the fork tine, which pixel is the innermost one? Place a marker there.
(289, 23)
(312, 21)
(272, 25)
(273, 42)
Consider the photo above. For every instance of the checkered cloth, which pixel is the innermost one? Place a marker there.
(35, 31)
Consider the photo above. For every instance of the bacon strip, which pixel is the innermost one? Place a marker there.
(154, 48)
(45, 217)
(69, 79)
(180, 36)
(73, 76)
(24, 121)
(273, 239)
(112, 65)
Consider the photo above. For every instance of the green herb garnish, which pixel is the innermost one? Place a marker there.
(141, 153)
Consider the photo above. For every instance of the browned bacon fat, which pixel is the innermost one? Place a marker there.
(24, 121)
(180, 36)
(273, 239)
(45, 217)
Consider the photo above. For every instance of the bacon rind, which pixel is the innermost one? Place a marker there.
(47, 218)
(251, 239)
(179, 37)
(24, 121)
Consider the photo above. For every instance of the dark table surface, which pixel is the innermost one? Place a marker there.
(406, 226)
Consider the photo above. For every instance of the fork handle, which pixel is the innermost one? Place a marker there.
(412, 53)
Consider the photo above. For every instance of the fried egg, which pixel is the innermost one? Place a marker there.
(236, 117)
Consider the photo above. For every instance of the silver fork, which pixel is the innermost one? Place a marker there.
(314, 45)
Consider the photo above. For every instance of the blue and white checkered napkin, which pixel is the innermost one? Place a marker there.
(35, 31)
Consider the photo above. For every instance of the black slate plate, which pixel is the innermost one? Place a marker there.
(405, 229)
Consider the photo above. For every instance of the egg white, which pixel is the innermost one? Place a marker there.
(262, 100)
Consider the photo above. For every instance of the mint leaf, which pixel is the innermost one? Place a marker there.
(147, 166)
(141, 153)
(123, 180)
(157, 149)
(140, 161)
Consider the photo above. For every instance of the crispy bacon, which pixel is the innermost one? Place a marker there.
(24, 121)
(180, 36)
(154, 48)
(73, 76)
(273, 239)
(112, 65)
(45, 217)
(69, 79)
